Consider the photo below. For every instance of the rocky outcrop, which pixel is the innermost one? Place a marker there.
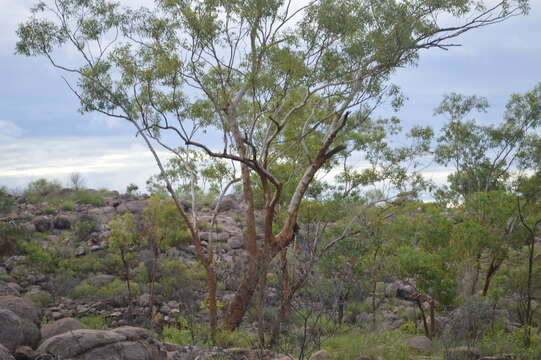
(42, 224)
(22, 308)
(16, 332)
(4, 354)
(60, 327)
(420, 344)
(125, 343)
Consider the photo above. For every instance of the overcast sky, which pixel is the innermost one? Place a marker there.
(43, 135)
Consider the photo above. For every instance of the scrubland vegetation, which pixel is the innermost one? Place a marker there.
(289, 217)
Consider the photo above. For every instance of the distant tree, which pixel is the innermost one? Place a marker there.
(76, 181)
(484, 156)
(279, 81)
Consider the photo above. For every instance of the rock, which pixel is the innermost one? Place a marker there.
(5, 290)
(62, 222)
(462, 353)
(104, 214)
(321, 355)
(80, 251)
(24, 353)
(235, 242)
(42, 224)
(125, 343)
(14, 261)
(144, 300)
(16, 331)
(420, 344)
(4, 354)
(220, 237)
(60, 327)
(22, 308)
(134, 206)
(228, 202)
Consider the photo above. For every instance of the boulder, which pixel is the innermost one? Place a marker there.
(6, 290)
(321, 355)
(63, 222)
(23, 308)
(235, 242)
(228, 202)
(16, 332)
(42, 224)
(125, 343)
(462, 353)
(4, 354)
(24, 353)
(420, 344)
(60, 327)
(134, 206)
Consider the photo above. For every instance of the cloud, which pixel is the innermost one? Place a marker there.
(9, 130)
(111, 162)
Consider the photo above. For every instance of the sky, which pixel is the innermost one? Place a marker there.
(43, 135)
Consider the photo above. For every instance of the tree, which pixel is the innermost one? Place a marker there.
(484, 156)
(276, 80)
(77, 181)
(124, 239)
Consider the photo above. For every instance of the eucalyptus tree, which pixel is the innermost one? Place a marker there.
(270, 80)
(484, 156)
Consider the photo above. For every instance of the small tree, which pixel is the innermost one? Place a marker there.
(124, 240)
(76, 180)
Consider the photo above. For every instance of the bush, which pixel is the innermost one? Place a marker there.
(115, 290)
(384, 345)
(40, 298)
(11, 238)
(67, 205)
(85, 227)
(95, 322)
(6, 201)
(37, 190)
(88, 197)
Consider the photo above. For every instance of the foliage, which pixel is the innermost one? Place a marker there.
(96, 322)
(84, 227)
(7, 202)
(385, 345)
(37, 190)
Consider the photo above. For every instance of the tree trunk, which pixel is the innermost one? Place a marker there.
(240, 302)
(477, 270)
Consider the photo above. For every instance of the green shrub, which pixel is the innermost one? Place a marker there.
(384, 344)
(95, 322)
(40, 298)
(85, 227)
(174, 335)
(114, 290)
(12, 237)
(37, 190)
(88, 197)
(500, 342)
(67, 205)
(7, 202)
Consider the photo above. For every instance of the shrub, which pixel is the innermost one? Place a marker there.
(85, 227)
(89, 197)
(37, 190)
(67, 205)
(115, 290)
(95, 322)
(6, 201)
(40, 298)
(11, 238)
(385, 345)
